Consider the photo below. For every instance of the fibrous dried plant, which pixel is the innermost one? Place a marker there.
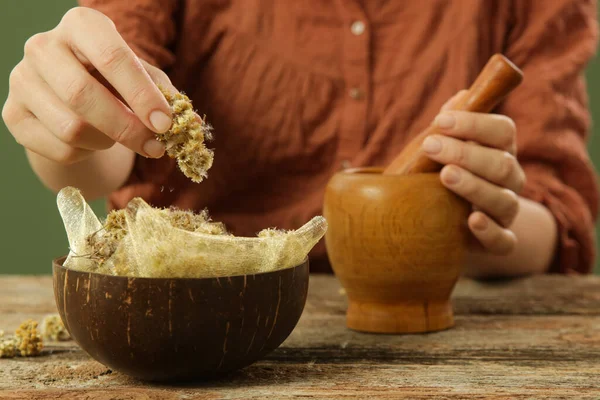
(105, 242)
(154, 242)
(185, 140)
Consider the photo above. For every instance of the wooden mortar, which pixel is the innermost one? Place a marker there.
(396, 243)
(397, 237)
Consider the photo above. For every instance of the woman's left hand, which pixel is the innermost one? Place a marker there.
(479, 152)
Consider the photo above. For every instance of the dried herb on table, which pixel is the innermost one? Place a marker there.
(25, 343)
(53, 329)
(28, 341)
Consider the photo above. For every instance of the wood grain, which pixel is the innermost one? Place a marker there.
(537, 338)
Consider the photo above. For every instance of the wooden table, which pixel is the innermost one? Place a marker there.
(534, 338)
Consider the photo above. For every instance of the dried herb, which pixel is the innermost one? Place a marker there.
(25, 343)
(185, 140)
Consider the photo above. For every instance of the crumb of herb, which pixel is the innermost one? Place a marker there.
(8, 347)
(53, 329)
(271, 232)
(105, 242)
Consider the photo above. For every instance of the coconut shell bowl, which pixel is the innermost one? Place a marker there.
(179, 329)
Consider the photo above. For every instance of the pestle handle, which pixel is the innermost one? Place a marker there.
(497, 79)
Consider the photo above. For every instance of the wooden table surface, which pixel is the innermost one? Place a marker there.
(533, 338)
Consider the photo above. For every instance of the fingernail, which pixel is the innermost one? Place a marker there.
(154, 148)
(451, 176)
(160, 121)
(480, 223)
(432, 145)
(445, 121)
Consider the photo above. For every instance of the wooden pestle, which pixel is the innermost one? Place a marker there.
(497, 79)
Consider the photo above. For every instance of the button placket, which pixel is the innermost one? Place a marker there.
(356, 75)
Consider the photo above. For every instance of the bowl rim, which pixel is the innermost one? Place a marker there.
(378, 171)
(57, 263)
(363, 170)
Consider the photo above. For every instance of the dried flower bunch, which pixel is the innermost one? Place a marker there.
(53, 329)
(25, 343)
(185, 140)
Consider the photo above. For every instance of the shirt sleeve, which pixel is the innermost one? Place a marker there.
(147, 26)
(552, 41)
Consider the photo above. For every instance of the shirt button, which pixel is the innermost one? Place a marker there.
(357, 28)
(355, 93)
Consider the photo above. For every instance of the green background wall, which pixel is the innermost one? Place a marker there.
(31, 232)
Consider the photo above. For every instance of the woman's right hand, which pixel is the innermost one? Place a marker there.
(80, 88)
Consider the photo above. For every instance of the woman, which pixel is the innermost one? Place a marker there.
(298, 90)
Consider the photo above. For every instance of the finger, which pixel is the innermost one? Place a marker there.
(492, 130)
(493, 238)
(86, 97)
(449, 105)
(499, 203)
(61, 121)
(33, 135)
(162, 79)
(159, 77)
(496, 166)
(104, 48)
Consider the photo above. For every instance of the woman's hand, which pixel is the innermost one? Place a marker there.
(479, 152)
(80, 88)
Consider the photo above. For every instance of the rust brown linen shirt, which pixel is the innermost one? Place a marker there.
(297, 90)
